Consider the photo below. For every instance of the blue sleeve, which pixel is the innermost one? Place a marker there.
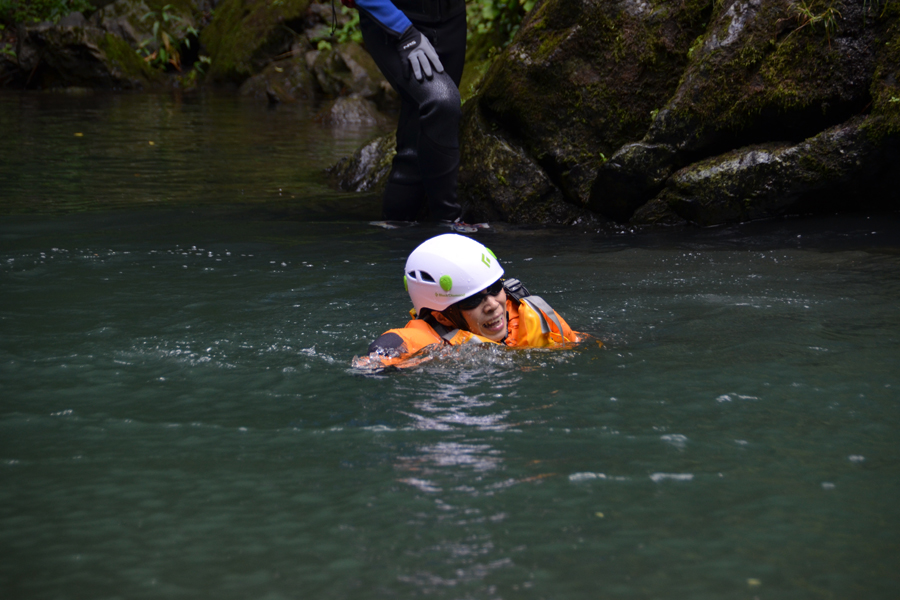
(385, 14)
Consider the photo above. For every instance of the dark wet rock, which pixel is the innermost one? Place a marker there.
(758, 73)
(76, 52)
(624, 181)
(10, 73)
(885, 88)
(368, 168)
(106, 50)
(706, 112)
(657, 212)
(348, 69)
(352, 111)
(776, 178)
(502, 183)
(283, 81)
(124, 19)
(246, 35)
(582, 78)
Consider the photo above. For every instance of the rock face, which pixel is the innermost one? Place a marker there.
(368, 168)
(582, 77)
(758, 181)
(709, 112)
(79, 52)
(243, 37)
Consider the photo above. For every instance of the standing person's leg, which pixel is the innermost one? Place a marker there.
(449, 40)
(438, 147)
(427, 136)
(404, 195)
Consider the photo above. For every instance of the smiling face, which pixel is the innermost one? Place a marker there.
(488, 319)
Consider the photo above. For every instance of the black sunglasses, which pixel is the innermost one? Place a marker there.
(476, 300)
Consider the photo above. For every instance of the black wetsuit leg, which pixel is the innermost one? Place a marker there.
(427, 160)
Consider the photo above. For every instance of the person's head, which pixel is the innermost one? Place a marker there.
(458, 280)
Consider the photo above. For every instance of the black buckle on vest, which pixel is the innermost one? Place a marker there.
(515, 289)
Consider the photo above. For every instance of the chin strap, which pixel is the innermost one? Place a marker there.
(455, 315)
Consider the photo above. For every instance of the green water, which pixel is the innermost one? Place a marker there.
(179, 417)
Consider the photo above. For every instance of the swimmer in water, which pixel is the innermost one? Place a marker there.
(459, 296)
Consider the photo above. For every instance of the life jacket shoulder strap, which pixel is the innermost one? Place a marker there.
(519, 293)
(544, 310)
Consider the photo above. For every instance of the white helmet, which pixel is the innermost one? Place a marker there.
(448, 268)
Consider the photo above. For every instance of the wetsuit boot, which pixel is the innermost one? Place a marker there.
(439, 166)
(404, 195)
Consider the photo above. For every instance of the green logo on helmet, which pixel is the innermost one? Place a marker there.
(446, 283)
(486, 260)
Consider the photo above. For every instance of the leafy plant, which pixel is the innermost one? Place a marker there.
(167, 40)
(37, 11)
(201, 63)
(874, 6)
(348, 32)
(498, 17)
(812, 13)
(6, 49)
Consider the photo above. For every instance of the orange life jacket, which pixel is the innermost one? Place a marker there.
(532, 323)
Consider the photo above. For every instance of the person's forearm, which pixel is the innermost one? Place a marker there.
(388, 16)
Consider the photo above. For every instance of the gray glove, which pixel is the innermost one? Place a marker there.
(417, 52)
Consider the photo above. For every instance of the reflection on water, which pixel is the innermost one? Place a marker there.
(179, 415)
(68, 154)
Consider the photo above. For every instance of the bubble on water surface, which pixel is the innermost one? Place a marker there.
(676, 439)
(587, 476)
(658, 477)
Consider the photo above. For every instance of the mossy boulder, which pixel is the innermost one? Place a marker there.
(774, 178)
(244, 35)
(368, 168)
(502, 183)
(133, 21)
(74, 52)
(778, 71)
(885, 88)
(347, 69)
(582, 78)
(350, 112)
(108, 50)
(282, 81)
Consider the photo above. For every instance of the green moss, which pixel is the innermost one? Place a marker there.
(244, 32)
(123, 56)
(179, 7)
(729, 90)
(582, 79)
(885, 88)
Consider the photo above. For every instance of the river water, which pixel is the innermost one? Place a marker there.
(179, 417)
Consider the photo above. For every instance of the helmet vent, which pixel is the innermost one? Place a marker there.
(423, 276)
